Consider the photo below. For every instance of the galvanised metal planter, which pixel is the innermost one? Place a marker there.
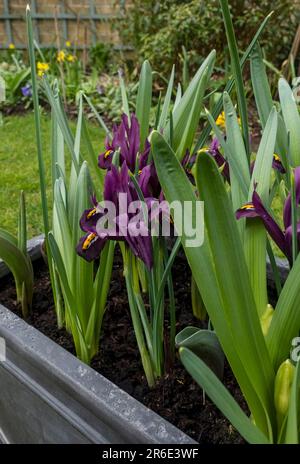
(49, 396)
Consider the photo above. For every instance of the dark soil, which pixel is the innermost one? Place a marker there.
(176, 397)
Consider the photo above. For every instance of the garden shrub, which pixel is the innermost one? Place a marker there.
(158, 29)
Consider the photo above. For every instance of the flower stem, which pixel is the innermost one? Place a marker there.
(129, 272)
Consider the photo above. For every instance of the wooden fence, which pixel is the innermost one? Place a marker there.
(83, 22)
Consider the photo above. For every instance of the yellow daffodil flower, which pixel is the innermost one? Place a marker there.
(61, 56)
(42, 68)
(71, 58)
(221, 122)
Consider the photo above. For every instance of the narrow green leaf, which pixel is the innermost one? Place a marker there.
(165, 109)
(20, 266)
(261, 175)
(221, 397)
(234, 161)
(237, 72)
(97, 115)
(205, 345)
(285, 323)
(125, 105)
(22, 226)
(54, 101)
(233, 278)
(143, 102)
(92, 158)
(57, 150)
(255, 234)
(181, 111)
(236, 149)
(177, 187)
(261, 88)
(178, 96)
(185, 70)
(291, 119)
(37, 120)
(193, 118)
(230, 85)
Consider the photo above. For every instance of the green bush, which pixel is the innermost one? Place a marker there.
(158, 29)
(99, 56)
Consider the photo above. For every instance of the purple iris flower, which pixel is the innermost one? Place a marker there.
(276, 164)
(117, 182)
(105, 158)
(148, 181)
(282, 238)
(26, 90)
(219, 158)
(127, 139)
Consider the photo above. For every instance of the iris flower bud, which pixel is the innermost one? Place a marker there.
(282, 390)
(266, 319)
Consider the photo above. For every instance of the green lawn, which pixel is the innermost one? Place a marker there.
(19, 168)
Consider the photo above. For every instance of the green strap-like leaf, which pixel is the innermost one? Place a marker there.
(22, 226)
(236, 150)
(57, 150)
(261, 175)
(255, 234)
(165, 109)
(221, 397)
(236, 71)
(20, 266)
(230, 85)
(205, 345)
(285, 323)
(177, 187)
(143, 102)
(124, 96)
(182, 110)
(235, 163)
(291, 118)
(193, 118)
(292, 426)
(37, 122)
(233, 278)
(261, 88)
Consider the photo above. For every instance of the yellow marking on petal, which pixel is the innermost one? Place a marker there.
(221, 120)
(140, 171)
(107, 153)
(91, 213)
(276, 157)
(247, 206)
(203, 150)
(88, 241)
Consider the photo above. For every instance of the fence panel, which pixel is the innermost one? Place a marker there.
(83, 22)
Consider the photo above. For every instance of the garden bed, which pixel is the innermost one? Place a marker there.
(175, 397)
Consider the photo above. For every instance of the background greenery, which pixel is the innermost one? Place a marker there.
(160, 28)
(19, 168)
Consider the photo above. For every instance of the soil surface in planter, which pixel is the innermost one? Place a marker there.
(176, 397)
